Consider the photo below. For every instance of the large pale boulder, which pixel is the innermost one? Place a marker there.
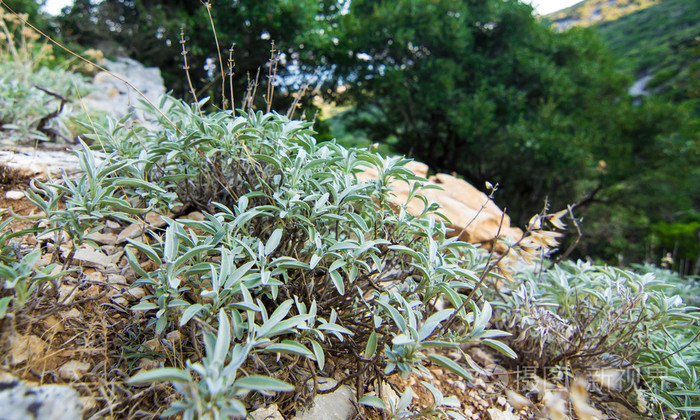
(473, 215)
(470, 213)
(119, 99)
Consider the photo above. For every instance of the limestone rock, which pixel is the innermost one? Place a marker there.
(49, 402)
(418, 168)
(470, 213)
(155, 219)
(391, 398)
(132, 231)
(195, 215)
(74, 313)
(31, 161)
(135, 293)
(149, 364)
(14, 195)
(270, 412)
(338, 405)
(66, 293)
(103, 238)
(496, 414)
(115, 97)
(73, 370)
(91, 258)
(24, 347)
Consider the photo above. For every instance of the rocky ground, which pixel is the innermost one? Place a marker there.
(83, 334)
(83, 337)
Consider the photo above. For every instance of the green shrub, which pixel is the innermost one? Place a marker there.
(23, 106)
(671, 362)
(584, 317)
(21, 276)
(686, 287)
(295, 256)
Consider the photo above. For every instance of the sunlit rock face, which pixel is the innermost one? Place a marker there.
(470, 213)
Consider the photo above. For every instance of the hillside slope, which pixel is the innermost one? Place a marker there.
(590, 12)
(661, 42)
(657, 43)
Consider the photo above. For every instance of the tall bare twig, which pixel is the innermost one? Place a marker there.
(207, 4)
(271, 76)
(231, 65)
(186, 66)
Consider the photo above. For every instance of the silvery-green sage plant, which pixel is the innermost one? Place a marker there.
(19, 269)
(88, 200)
(584, 317)
(299, 265)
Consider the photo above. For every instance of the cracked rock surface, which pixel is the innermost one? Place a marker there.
(47, 402)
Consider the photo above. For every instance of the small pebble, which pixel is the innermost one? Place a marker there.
(14, 195)
(122, 302)
(73, 313)
(73, 370)
(112, 225)
(136, 292)
(174, 337)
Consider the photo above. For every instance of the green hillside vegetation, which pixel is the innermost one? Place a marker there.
(658, 45)
(662, 41)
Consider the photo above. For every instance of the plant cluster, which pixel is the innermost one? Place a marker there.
(296, 263)
(670, 363)
(484, 89)
(297, 270)
(33, 94)
(18, 268)
(584, 317)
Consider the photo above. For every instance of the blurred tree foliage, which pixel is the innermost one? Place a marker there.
(660, 42)
(477, 87)
(31, 8)
(149, 31)
(483, 89)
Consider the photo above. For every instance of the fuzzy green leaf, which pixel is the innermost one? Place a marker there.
(450, 365)
(263, 383)
(497, 345)
(319, 354)
(337, 280)
(161, 375)
(373, 401)
(274, 241)
(290, 347)
(144, 306)
(190, 312)
(371, 347)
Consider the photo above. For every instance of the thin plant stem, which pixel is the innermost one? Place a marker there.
(186, 66)
(207, 4)
(231, 65)
(271, 75)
